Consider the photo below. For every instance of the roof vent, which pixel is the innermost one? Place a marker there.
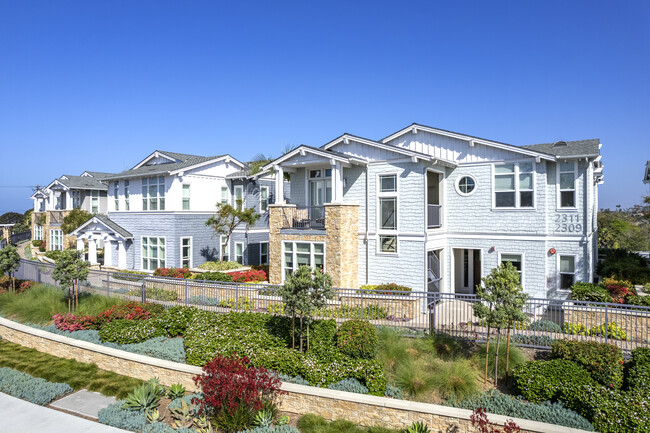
(560, 144)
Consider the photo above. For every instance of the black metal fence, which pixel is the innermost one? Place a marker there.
(627, 326)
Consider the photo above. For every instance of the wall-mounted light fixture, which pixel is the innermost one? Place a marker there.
(552, 251)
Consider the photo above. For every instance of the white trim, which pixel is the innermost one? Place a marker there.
(267, 253)
(301, 150)
(264, 187)
(155, 154)
(166, 265)
(457, 185)
(347, 137)
(58, 234)
(387, 194)
(558, 285)
(311, 254)
(234, 197)
(517, 191)
(523, 266)
(191, 264)
(558, 190)
(242, 252)
(226, 158)
(95, 220)
(443, 195)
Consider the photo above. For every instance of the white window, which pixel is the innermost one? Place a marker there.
(38, 233)
(387, 204)
(76, 199)
(58, 205)
(126, 195)
(567, 271)
(153, 253)
(56, 240)
(239, 252)
(517, 260)
(239, 197)
(186, 252)
(302, 253)
(264, 199)
(225, 248)
(264, 253)
(514, 185)
(567, 184)
(94, 201)
(465, 185)
(153, 193)
(116, 195)
(186, 197)
(224, 195)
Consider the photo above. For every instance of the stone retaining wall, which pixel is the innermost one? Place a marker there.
(362, 409)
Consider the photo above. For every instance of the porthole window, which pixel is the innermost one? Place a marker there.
(465, 185)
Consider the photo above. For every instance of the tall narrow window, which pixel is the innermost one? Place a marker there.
(126, 195)
(239, 197)
(116, 194)
(224, 195)
(517, 262)
(153, 193)
(225, 249)
(186, 197)
(76, 199)
(567, 271)
(94, 201)
(56, 240)
(264, 199)
(153, 253)
(239, 252)
(38, 233)
(387, 224)
(186, 252)
(264, 253)
(514, 185)
(567, 175)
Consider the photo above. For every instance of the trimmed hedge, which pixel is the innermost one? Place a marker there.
(33, 389)
(213, 276)
(603, 361)
(130, 331)
(558, 379)
(638, 376)
(546, 326)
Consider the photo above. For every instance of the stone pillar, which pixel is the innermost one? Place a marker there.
(342, 244)
(108, 253)
(121, 255)
(276, 221)
(92, 251)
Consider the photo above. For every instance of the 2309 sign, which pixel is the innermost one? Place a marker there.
(567, 223)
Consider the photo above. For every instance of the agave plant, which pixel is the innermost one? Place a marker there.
(203, 425)
(418, 427)
(176, 391)
(144, 397)
(264, 418)
(155, 384)
(154, 416)
(283, 420)
(182, 416)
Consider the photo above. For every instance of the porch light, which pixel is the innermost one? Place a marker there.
(491, 250)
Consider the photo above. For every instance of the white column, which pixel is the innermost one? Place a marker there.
(108, 253)
(81, 247)
(121, 255)
(68, 200)
(92, 251)
(279, 185)
(337, 183)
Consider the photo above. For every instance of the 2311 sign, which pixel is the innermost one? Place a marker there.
(567, 223)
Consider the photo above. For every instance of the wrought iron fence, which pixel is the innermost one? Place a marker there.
(627, 326)
(309, 217)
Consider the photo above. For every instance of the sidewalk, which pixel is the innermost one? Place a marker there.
(20, 416)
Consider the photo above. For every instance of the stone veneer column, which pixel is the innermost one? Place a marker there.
(342, 244)
(275, 242)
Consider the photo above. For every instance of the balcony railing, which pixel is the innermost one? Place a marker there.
(433, 216)
(312, 217)
(56, 217)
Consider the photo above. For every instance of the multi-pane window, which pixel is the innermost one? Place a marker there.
(303, 253)
(56, 240)
(239, 252)
(264, 253)
(186, 252)
(567, 271)
(387, 213)
(225, 249)
(126, 195)
(567, 175)
(153, 193)
(94, 201)
(38, 233)
(264, 199)
(116, 194)
(224, 195)
(153, 253)
(186, 197)
(239, 197)
(58, 204)
(514, 185)
(517, 261)
(76, 199)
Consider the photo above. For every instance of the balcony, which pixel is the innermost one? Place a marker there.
(56, 217)
(299, 217)
(433, 216)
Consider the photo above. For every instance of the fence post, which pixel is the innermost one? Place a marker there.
(362, 304)
(143, 293)
(237, 296)
(432, 323)
(606, 324)
(185, 291)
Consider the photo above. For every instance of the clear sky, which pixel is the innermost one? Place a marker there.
(99, 85)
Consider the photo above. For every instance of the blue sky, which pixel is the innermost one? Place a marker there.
(99, 85)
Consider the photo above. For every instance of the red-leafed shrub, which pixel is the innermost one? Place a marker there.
(70, 322)
(173, 272)
(619, 293)
(129, 311)
(252, 276)
(482, 423)
(233, 391)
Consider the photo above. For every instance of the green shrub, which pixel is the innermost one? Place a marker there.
(545, 326)
(245, 303)
(626, 265)
(393, 392)
(296, 379)
(533, 340)
(54, 255)
(516, 357)
(603, 361)
(643, 301)
(573, 329)
(175, 319)
(33, 389)
(322, 335)
(392, 289)
(128, 275)
(219, 266)
(538, 381)
(612, 330)
(638, 374)
(37, 242)
(590, 292)
(213, 276)
(276, 308)
(498, 403)
(273, 429)
(131, 331)
(357, 338)
(203, 300)
(155, 293)
(349, 385)
(116, 416)
(369, 312)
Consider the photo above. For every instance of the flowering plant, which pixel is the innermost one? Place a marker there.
(248, 276)
(70, 322)
(173, 272)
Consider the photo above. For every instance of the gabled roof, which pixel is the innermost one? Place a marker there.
(82, 182)
(580, 148)
(96, 174)
(38, 192)
(323, 153)
(111, 226)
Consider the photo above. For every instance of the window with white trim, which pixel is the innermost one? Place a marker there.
(514, 185)
(296, 254)
(126, 195)
(225, 249)
(264, 199)
(239, 197)
(387, 203)
(567, 183)
(76, 199)
(465, 185)
(153, 193)
(517, 260)
(239, 252)
(94, 201)
(186, 197)
(116, 195)
(264, 253)
(38, 233)
(153, 253)
(186, 252)
(56, 240)
(224, 195)
(567, 271)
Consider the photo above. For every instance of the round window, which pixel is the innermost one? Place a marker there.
(465, 185)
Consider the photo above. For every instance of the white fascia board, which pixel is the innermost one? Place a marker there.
(302, 150)
(96, 220)
(150, 157)
(388, 147)
(471, 140)
(226, 158)
(56, 182)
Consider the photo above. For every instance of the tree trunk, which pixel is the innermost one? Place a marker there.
(487, 353)
(301, 333)
(293, 331)
(496, 358)
(76, 295)
(508, 352)
(307, 335)
(13, 283)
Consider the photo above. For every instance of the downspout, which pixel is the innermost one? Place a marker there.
(366, 239)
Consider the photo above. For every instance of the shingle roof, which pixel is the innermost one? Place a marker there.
(98, 174)
(157, 169)
(114, 226)
(82, 182)
(571, 148)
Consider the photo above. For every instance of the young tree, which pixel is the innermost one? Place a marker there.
(71, 268)
(74, 219)
(304, 292)
(9, 263)
(228, 218)
(502, 302)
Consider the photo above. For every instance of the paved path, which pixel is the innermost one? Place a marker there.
(84, 402)
(20, 416)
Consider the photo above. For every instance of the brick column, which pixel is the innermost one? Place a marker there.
(342, 244)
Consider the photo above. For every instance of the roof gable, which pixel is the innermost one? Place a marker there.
(103, 223)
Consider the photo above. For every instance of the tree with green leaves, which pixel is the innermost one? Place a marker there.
(9, 263)
(74, 219)
(305, 291)
(228, 218)
(70, 269)
(502, 301)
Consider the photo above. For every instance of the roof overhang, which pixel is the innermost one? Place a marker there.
(105, 228)
(331, 157)
(224, 158)
(57, 182)
(39, 194)
(155, 154)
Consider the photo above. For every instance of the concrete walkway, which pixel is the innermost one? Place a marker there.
(20, 416)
